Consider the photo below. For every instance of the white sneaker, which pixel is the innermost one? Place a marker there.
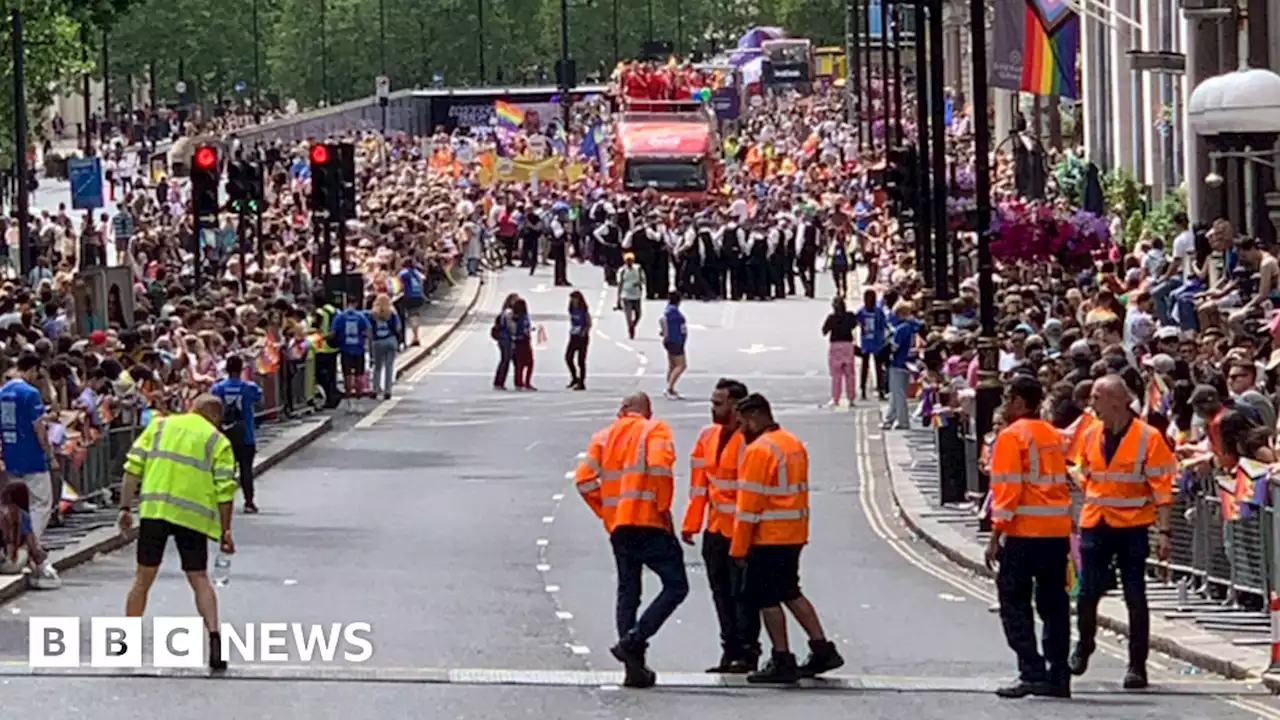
(46, 578)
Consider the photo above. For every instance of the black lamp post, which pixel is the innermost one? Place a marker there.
(895, 26)
(22, 201)
(924, 217)
(941, 286)
(989, 389)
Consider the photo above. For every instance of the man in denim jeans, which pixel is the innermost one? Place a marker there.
(905, 329)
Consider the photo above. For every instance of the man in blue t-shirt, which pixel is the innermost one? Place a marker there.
(413, 284)
(873, 342)
(674, 335)
(905, 329)
(28, 458)
(353, 329)
(238, 397)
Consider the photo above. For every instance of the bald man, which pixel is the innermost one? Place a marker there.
(1128, 469)
(626, 478)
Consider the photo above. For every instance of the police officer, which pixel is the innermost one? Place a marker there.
(807, 255)
(559, 249)
(1030, 527)
(758, 265)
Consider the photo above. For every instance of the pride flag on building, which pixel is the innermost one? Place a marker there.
(509, 116)
(1035, 48)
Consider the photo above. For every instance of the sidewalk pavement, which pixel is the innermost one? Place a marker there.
(83, 536)
(953, 531)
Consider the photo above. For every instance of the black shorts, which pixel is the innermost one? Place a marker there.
(352, 363)
(153, 535)
(773, 574)
(674, 349)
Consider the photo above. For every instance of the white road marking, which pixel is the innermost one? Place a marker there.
(603, 335)
(644, 359)
(757, 349)
(553, 588)
(581, 455)
(548, 519)
(698, 327)
(564, 615)
(729, 315)
(568, 475)
(560, 496)
(532, 445)
(541, 288)
(542, 567)
(378, 413)
(543, 542)
(580, 649)
(625, 346)
(639, 371)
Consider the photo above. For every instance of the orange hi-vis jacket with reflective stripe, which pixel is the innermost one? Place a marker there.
(626, 477)
(773, 494)
(713, 481)
(1030, 496)
(1125, 492)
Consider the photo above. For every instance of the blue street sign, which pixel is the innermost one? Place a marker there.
(85, 175)
(240, 86)
(438, 79)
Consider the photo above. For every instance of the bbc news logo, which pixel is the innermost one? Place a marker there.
(181, 642)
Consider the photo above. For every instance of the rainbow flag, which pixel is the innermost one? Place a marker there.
(1049, 51)
(510, 116)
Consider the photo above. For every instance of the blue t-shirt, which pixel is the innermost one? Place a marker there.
(411, 281)
(578, 322)
(903, 335)
(840, 256)
(351, 326)
(524, 328)
(675, 325)
(233, 390)
(20, 408)
(873, 328)
(385, 329)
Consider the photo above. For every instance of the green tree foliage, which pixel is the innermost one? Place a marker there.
(422, 37)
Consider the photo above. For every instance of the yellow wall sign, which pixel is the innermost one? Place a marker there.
(508, 170)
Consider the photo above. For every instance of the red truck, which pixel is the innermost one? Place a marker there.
(669, 146)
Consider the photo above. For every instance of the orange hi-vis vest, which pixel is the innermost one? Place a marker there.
(1125, 492)
(713, 481)
(626, 477)
(773, 494)
(1030, 496)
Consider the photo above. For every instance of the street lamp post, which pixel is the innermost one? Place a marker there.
(88, 104)
(941, 285)
(924, 216)
(896, 27)
(106, 76)
(565, 82)
(868, 104)
(257, 68)
(649, 36)
(886, 98)
(852, 74)
(480, 36)
(324, 54)
(989, 389)
(382, 36)
(23, 200)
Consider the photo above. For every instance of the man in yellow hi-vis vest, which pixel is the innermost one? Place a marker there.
(326, 353)
(187, 472)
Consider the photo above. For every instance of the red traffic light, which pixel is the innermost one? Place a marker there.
(206, 157)
(319, 154)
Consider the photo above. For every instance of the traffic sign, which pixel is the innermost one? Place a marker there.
(437, 79)
(383, 86)
(240, 86)
(180, 87)
(85, 175)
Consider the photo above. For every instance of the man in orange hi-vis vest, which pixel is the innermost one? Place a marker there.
(770, 529)
(1128, 470)
(713, 495)
(626, 479)
(1030, 530)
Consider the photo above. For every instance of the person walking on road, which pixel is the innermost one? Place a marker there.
(186, 470)
(841, 361)
(575, 355)
(626, 478)
(873, 343)
(388, 335)
(770, 529)
(713, 482)
(503, 333)
(1128, 471)
(675, 332)
(631, 288)
(1030, 531)
(238, 397)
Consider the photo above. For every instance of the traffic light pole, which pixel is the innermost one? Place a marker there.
(898, 134)
(257, 238)
(941, 285)
(342, 247)
(198, 244)
(924, 197)
(989, 388)
(886, 96)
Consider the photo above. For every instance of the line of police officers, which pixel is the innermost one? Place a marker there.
(713, 255)
(749, 490)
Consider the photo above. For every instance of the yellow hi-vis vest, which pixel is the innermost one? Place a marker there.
(187, 470)
(326, 313)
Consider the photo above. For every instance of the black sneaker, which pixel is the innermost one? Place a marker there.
(780, 670)
(1078, 663)
(823, 658)
(640, 678)
(726, 661)
(250, 508)
(744, 665)
(1135, 680)
(216, 662)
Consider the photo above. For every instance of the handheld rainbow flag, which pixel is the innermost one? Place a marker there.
(510, 116)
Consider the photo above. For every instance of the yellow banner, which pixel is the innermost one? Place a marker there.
(503, 169)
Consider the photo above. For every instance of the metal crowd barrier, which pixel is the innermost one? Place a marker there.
(287, 393)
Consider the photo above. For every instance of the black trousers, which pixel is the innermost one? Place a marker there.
(789, 273)
(327, 378)
(244, 462)
(506, 356)
(1103, 549)
(561, 258)
(881, 362)
(1032, 567)
(739, 621)
(808, 275)
(840, 274)
(637, 548)
(575, 356)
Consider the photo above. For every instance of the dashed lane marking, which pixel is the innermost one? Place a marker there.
(589, 678)
(378, 413)
(532, 445)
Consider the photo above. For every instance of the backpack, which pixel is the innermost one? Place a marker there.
(495, 332)
(233, 421)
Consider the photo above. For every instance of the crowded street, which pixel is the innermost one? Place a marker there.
(445, 520)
